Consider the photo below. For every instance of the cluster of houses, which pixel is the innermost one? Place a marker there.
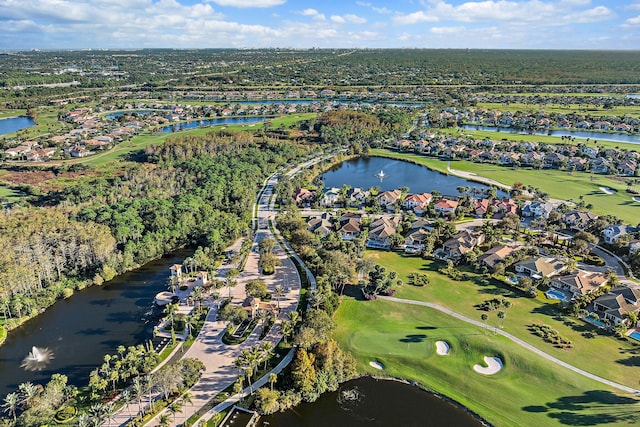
(540, 120)
(579, 157)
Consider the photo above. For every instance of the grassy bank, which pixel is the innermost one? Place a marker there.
(528, 391)
(593, 350)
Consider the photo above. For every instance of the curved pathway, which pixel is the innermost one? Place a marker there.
(517, 341)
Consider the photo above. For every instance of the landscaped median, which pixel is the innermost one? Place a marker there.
(527, 391)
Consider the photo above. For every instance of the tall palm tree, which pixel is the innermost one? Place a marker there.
(278, 292)
(11, 404)
(484, 318)
(175, 408)
(266, 349)
(28, 392)
(187, 400)
(138, 387)
(164, 420)
(126, 396)
(273, 378)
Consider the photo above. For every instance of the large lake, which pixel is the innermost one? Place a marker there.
(14, 124)
(368, 402)
(85, 327)
(212, 122)
(361, 172)
(598, 136)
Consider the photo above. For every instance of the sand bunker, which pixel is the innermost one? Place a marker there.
(442, 348)
(376, 364)
(494, 365)
(636, 199)
(607, 190)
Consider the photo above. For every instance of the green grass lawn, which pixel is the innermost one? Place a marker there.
(527, 392)
(559, 184)
(593, 351)
(9, 193)
(4, 114)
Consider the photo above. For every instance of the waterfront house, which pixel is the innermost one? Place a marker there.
(330, 197)
(417, 202)
(446, 207)
(389, 199)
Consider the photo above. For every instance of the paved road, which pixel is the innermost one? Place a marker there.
(519, 342)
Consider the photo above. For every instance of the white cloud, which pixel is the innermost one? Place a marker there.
(353, 19)
(381, 10)
(414, 18)
(249, 3)
(632, 22)
(447, 30)
(314, 14)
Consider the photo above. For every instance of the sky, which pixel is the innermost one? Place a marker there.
(497, 24)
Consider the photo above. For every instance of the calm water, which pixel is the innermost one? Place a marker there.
(598, 136)
(378, 403)
(212, 122)
(14, 124)
(90, 324)
(361, 172)
(122, 113)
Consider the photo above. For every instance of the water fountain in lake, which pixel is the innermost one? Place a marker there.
(37, 359)
(381, 175)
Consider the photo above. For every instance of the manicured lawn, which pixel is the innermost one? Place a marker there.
(592, 350)
(558, 184)
(527, 392)
(11, 113)
(9, 193)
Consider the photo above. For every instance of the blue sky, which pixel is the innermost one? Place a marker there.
(530, 24)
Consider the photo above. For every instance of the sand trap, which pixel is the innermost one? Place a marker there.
(636, 199)
(442, 348)
(607, 190)
(376, 364)
(494, 365)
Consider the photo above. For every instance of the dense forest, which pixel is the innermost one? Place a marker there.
(191, 190)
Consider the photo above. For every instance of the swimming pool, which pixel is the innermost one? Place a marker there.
(635, 335)
(556, 294)
(598, 322)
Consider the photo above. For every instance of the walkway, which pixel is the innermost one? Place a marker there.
(517, 341)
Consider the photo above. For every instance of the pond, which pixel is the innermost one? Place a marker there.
(128, 112)
(592, 135)
(82, 329)
(15, 124)
(364, 172)
(369, 402)
(212, 122)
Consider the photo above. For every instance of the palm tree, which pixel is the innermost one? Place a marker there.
(164, 420)
(266, 349)
(484, 318)
(175, 408)
(28, 392)
(229, 278)
(278, 292)
(126, 396)
(187, 399)
(138, 388)
(501, 316)
(11, 404)
(272, 379)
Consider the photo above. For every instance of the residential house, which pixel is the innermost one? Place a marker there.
(634, 247)
(481, 207)
(255, 305)
(415, 240)
(417, 202)
(612, 233)
(578, 220)
(303, 197)
(537, 209)
(498, 254)
(504, 207)
(357, 197)
(579, 282)
(380, 232)
(446, 207)
(617, 303)
(321, 224)
(601, 165)
(538, 267)
(627, 167)
(389, 198)
(202, 278)
(349, 229)
(330, 197)
(462, 243)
